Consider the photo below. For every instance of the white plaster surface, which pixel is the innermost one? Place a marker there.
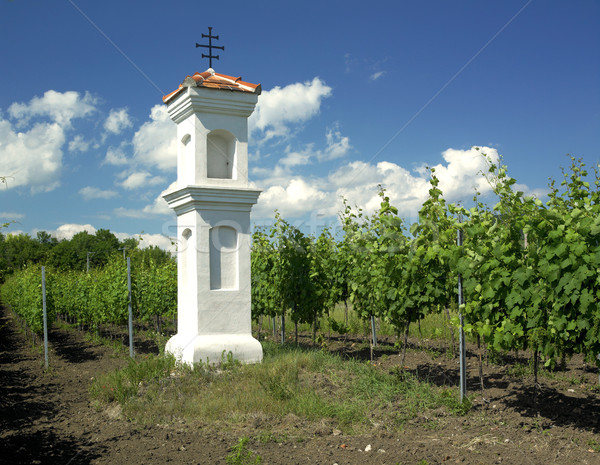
(213, 270)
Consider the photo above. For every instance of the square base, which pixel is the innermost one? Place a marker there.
(214, 348)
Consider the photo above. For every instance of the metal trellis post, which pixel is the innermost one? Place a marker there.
(131, 354)
(45, 316)
(462, 348)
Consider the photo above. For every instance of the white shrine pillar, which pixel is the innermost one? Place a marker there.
(213, 202)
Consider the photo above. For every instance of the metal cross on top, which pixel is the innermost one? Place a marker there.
(210, 46)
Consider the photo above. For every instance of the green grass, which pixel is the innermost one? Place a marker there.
(311, 385)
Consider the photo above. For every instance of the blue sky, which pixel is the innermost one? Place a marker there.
(354, 94)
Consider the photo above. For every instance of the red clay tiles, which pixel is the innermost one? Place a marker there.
(212, 80)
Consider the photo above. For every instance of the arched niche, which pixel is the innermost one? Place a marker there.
(220, 154)
(223, 257)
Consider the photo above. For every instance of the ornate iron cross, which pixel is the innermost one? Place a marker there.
(210, 46)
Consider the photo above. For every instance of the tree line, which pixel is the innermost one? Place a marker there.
(82, 251)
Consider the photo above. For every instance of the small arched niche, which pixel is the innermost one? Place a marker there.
(223, 257)
(220, 154)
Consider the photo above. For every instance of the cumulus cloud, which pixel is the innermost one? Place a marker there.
(293, 158)
(117, 121)
(528, 192)
(148, 240)
(32, 158)
(296, 198)
(460, 175)
(61, 107)
(89, 193)
(31, 146)
(116, 155)
(141, 179)
(155, 142)
(337, 145)
(281, 106)
(158, 207)
(78, 144)
(67, 231)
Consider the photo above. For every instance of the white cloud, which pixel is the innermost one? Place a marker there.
(67, 231)
(78, 144)
(358, 182)
(337, 145)
(11, 216)
(158, 207)
(32, 158)
(459, 175)
(148, 240)
(141, 179)
(117, 121)
(294, 103)
(89, 193)
(116, 155)
(155, 142)
(292, 159)
(296, 198)
(528, 192)
(462, 173)
(61, 107)
(164, 242)
(377, 75)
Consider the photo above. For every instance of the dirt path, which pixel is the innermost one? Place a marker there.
(46, 418)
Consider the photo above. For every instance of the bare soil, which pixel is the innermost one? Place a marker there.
(47, 417)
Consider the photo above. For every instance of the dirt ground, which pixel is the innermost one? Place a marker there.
(47, 418)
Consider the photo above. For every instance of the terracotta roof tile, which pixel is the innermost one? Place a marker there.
(212, 80)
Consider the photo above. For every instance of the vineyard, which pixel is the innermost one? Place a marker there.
(379, 291)
(95, 298)
(530, 273)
